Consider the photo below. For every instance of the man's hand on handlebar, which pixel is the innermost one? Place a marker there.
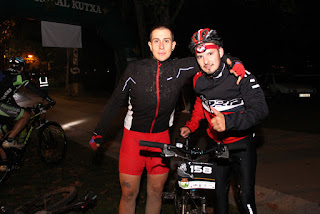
(50, 102)
(185, 132)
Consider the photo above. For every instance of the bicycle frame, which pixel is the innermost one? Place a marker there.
(187, 181)
(189, 192)
(31, 125)
(32, 121)
(52, 142)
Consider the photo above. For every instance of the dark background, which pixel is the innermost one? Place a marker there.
(267, 35)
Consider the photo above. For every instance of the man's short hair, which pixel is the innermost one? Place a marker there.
(161, 26)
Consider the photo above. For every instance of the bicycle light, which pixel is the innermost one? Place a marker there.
(179, 145)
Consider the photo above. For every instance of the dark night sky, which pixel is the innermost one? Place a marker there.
(261, 33)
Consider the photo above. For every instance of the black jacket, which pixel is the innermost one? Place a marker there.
(153, 89)
(244, 105)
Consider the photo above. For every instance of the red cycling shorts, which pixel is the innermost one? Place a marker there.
(134, 158)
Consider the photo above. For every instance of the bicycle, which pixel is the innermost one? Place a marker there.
(192, 175)
(51, 138)
(61, 200)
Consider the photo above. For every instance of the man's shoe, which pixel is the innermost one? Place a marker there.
(13, 144)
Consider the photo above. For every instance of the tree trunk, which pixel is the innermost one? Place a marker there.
(141, 28)
(120, 62)
(173, 17)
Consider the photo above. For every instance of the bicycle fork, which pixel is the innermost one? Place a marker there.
(192, 196)
(203, 204)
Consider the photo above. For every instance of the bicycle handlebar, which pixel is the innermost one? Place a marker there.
(168, 150)
(151, 144)
(48, 105)
(40, 108)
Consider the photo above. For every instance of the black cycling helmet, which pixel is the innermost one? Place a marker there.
(16, 62)
(204, 36)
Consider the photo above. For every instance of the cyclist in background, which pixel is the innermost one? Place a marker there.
(231, 111)
(153, 86)
(10, 81)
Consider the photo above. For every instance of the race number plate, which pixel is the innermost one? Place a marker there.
(196, 175)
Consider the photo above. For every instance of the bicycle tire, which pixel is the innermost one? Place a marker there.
(183, 205)
(52, 142)
(178, 204)
(74, 206)
(4, 168)
(49, 201)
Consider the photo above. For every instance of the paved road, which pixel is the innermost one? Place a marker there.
(288, 172)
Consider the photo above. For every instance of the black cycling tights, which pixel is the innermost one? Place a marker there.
(242, 166)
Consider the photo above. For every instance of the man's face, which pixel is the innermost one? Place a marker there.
(209, 60)
(161, 44)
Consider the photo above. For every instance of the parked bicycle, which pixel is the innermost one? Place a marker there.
(61, 200)
(51, 138)
(192, 175)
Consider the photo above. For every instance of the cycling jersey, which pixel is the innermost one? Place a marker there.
(11, 83)
(10, 111)
(153, 88)
(243, 105)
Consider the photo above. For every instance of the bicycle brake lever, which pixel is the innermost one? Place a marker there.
(89, 201)
(166, 153)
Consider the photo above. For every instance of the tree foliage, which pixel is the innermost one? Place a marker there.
(6, 29)
(154, 12)
(19, 38)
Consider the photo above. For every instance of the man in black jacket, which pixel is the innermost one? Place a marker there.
(231, 111)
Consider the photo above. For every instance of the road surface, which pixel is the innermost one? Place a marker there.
(288, 172)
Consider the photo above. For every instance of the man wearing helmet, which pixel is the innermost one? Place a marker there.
(11, 80)
(231, 111)
(153, 86)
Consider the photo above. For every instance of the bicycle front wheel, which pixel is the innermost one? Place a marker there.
(179, 202)
(49, 201)
(52, 142)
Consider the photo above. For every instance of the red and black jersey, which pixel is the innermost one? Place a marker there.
(153, 88)
(243, 105)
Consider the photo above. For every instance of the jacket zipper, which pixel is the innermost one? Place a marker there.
(158, 97)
